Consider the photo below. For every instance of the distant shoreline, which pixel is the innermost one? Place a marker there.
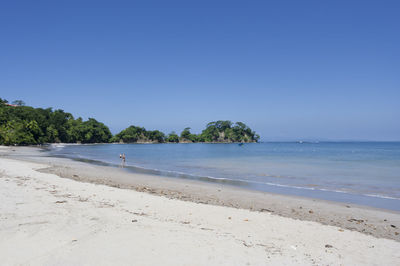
(139, 142)
(258, 142)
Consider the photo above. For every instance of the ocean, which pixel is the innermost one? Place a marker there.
(366, 173)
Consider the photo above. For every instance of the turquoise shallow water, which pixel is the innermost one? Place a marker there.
(357, 172)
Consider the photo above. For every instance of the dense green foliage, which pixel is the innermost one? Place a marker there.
(172, 137)
(226, 131)
(187, 136)
(219, 131)
(138, 134)
(25, 125)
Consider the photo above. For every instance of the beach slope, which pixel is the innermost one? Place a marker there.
(46, 219)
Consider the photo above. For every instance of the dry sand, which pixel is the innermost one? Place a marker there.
(46, 219)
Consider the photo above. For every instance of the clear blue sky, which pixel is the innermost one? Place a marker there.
(288, 69)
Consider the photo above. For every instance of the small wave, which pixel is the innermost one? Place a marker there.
(249, 182)
(57, 146)
(381, 196)
(245, 182)
(238, 182)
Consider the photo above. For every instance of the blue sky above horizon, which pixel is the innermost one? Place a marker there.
(320, 70)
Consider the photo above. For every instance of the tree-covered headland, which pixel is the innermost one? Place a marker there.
(25, 125)
(221, 131)
(215, 132)
(135, 134)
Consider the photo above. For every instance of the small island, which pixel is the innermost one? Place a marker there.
(26, 125)
(215, 132)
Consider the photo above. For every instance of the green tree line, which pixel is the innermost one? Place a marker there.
(25, 125)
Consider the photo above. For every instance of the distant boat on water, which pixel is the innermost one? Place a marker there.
(240, 144)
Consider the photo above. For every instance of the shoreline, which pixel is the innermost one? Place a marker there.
(47, 219)
(367, 196)
(368, 220)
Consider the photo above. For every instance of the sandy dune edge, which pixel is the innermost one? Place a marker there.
(45, 219)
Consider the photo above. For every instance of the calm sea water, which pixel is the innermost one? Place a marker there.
(356, 172)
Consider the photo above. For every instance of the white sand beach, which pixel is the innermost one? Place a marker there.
(49, 220)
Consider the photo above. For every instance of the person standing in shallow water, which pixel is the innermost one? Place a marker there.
(123, 158)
